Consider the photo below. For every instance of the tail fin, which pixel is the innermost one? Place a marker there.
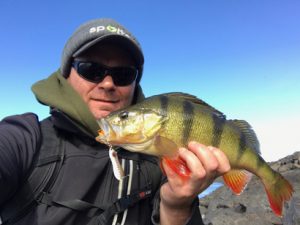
(278, 193)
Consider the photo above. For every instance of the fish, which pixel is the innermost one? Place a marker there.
(161, 124)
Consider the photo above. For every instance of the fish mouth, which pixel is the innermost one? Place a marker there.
(104, 131)
(103, 125)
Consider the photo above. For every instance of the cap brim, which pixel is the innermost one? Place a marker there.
(122, 40)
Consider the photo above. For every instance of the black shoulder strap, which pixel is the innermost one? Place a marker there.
(120, 206)
(101, 214)
(46, 167)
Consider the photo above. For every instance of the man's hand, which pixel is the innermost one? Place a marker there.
(206, 164)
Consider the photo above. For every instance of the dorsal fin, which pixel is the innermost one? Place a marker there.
(194, 99)
(249, 133)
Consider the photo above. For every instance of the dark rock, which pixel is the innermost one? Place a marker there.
(222, 207)
(240, 208)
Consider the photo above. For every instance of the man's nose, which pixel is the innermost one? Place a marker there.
(107, 82)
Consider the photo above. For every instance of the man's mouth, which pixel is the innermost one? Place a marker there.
(105, 100)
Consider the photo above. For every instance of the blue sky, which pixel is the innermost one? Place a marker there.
(242, 57)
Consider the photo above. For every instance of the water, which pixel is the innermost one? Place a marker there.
(214, 186)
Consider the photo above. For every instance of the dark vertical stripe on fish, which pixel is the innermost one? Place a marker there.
(218, 127)
(188, 113)
(242, 146)
(164, 102)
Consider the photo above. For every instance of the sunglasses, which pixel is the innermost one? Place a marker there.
(95, 72)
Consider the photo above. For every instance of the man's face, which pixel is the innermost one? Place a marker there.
(104, 97)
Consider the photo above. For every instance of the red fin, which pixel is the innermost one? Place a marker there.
(178, 166)
(237, 180)
(278, 192)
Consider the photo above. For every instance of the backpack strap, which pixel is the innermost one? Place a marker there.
(120, 206)
(99, 213)
(46, 166)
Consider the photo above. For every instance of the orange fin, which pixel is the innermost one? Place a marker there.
(178, 166)
(169, 149)
(237, 180)
(278, 192)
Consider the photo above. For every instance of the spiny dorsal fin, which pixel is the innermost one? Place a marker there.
(247, 130)
(195, 100)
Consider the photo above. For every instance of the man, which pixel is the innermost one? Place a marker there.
(101, 69)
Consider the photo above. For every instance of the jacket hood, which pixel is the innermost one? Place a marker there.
(57, 93)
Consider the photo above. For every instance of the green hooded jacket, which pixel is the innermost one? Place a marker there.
(57, 93)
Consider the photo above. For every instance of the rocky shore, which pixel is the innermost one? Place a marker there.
(252, 207)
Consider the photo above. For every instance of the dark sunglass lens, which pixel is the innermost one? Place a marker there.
(124, 76)
(91, 71)
(94, 72)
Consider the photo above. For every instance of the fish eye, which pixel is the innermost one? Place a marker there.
(123, 115)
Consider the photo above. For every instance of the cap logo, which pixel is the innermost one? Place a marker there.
(110, 29)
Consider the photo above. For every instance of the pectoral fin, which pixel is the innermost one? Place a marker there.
(169, 150)
(178, 166)
(237, 180)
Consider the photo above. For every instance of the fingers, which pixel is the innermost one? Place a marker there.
(205, 163)
(205, 160)
(193, 163)
(205, 155)
(223, 162)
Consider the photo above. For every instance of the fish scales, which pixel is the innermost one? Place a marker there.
(188, 118)
(187, 122)
(240, 152)
(190, 122)
(233, 144)
(180, 122)
(202, 127)
(219, 124)
(230, 143)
